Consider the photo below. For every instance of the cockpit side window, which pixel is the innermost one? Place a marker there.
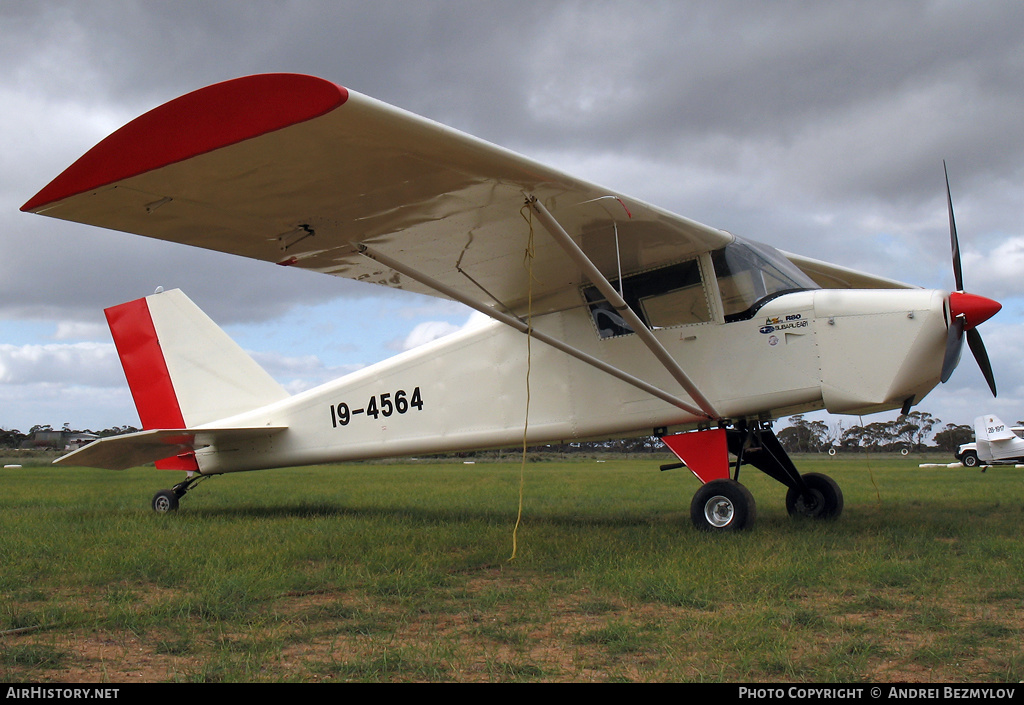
(662, 298)
(751, 274)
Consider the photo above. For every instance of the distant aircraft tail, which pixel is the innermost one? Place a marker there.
(182, 369)
(991, 428)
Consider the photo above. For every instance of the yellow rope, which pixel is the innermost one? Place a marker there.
(528, 263)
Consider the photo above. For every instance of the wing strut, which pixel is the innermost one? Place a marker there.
(620, 305)
(522, 327)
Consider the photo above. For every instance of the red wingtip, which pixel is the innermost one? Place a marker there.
(975, 309)
(198, 122)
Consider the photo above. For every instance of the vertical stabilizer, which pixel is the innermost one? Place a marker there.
(183, 370)
(991, 428)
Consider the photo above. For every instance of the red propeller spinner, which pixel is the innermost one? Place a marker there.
(974, 309)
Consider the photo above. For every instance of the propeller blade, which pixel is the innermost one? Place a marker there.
(966, 311)
(958, 273)
(954, 346)
(980, 354)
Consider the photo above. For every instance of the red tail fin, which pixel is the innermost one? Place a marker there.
(146, 371)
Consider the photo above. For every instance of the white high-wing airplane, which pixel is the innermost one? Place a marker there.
(646, 322)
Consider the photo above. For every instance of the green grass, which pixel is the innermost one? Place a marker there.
(402, 573)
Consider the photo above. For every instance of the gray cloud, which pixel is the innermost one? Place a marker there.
(817, 127)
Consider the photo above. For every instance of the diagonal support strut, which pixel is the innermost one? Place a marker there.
(522, 327)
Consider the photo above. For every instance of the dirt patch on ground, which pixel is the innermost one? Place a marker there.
(496, 627)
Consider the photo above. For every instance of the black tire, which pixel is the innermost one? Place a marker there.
(824, 499)
(723, 505)
(969, 459)
(165, 502)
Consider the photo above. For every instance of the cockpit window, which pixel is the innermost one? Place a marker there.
(662, 298)
(751, 274)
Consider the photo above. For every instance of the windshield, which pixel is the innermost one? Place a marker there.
(751, 274)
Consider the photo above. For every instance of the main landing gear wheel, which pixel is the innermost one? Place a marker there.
(723, 505)
(165, 501)
(823, 499)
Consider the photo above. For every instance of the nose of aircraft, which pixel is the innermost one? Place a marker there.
(974, 309)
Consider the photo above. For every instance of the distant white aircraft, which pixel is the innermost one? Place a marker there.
(645, 322)
(994, 443)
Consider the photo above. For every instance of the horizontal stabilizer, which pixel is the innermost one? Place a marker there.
(133, 449)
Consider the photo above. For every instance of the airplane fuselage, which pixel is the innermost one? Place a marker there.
(847, 351)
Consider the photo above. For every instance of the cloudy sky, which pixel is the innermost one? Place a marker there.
(819, 128)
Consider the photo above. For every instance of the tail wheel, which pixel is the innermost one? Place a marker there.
(822, 500)
(165, 501)
(723, 505)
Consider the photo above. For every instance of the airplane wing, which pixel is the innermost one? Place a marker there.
(297, 170)
(833, 276)
(133, 449)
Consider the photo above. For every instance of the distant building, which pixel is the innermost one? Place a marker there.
(58, 440)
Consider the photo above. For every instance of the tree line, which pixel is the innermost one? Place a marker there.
(911, 431)
(16, 439)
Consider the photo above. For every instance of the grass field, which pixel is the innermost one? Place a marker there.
(403, 573)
